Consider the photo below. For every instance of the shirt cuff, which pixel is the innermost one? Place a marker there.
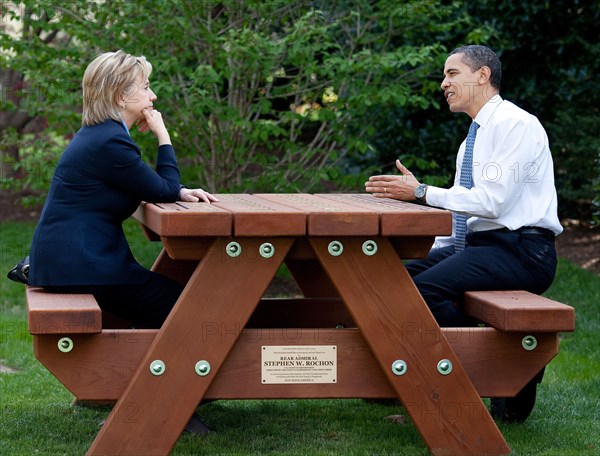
(436, 196)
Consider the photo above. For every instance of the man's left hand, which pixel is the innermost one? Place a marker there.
(392, 186)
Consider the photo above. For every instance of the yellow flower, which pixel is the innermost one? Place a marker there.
(301, 109)
(329, 95)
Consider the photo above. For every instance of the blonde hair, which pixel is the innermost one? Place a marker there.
(106, 79)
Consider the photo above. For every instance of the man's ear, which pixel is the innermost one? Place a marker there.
(484, 74)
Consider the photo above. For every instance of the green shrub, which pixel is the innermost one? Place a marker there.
(258, 95)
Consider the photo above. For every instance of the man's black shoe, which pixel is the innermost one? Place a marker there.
(517, 409)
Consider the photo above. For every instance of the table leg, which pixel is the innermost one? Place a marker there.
(178, 270)
(397, 325)
(204, 325)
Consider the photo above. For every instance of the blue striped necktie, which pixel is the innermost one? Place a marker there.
(466, 180)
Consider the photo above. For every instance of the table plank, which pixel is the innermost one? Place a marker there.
(185, 219)
(54, 313)
(399, 218)
(519, 310)
(326, 217)
(253, 216)
(102, 364)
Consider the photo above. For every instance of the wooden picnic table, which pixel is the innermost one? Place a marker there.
(362, 323)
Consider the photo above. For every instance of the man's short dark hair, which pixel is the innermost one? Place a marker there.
(476, 56)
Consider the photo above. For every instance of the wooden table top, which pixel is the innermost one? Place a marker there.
(295, 214)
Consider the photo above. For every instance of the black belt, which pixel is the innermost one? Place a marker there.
(530, 230)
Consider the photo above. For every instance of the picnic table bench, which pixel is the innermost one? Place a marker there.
(361, 321)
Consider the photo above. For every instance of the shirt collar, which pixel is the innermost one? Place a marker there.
(485, 113)
(125, 126)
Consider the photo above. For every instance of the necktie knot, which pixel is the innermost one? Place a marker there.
(473, 129)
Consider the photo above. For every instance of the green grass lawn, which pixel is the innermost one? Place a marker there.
(36, 416)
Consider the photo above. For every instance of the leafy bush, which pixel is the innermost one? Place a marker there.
(37, 159)
(306, 95)
(259, 96)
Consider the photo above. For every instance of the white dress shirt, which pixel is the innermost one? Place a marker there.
(513, 175)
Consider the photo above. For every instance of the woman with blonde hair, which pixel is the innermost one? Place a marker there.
(79, 245)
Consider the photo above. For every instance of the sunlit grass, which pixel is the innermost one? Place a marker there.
(36, 416)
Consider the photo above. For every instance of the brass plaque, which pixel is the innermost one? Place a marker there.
(299, 364)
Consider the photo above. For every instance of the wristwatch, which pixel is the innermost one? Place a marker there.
(420, 192)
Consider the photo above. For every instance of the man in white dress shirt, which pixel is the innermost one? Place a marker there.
(504, 205)
(509, 198)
